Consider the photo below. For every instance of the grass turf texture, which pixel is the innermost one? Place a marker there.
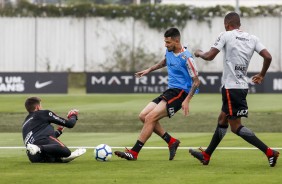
(119, 112)
(152, 166)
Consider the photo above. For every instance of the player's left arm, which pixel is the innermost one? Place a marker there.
(267, 58)
(193, 72)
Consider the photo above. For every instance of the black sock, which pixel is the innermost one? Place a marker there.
(138, 146)
(218, 135)
(250, 137)
(166, 137)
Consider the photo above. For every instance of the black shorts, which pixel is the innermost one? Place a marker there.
(234, 102)
(53, 151)
(174, 98)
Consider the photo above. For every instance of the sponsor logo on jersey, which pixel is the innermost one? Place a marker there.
(240, 67)
(242, 39)
(184, 57)
(57, 117)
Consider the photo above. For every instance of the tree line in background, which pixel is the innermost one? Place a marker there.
(155, 15)
(9, 3)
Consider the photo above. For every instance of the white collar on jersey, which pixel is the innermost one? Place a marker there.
(182, 50)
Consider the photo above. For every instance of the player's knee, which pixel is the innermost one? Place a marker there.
(151, 117)
(234, 130)
(142, 117)
(64, 152)
(35, 161)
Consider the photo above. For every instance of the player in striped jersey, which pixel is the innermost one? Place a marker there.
(238, 47)
(183, 83)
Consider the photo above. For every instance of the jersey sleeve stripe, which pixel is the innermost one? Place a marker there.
(192, 67)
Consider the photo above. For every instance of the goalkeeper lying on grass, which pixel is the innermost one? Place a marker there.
(40, 138)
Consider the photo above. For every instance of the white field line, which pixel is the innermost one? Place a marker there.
(151, 147)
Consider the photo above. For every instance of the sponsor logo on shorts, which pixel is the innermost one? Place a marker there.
(171, 111)
(243, 112)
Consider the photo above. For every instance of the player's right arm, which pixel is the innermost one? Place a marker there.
(157, 66)
(69, 123)
(59, 131)
(208, 56)
(215, 49)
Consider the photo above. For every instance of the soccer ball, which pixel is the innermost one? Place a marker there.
(103, 152)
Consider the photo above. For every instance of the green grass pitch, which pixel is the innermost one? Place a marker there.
(152, 166)
(105, 118)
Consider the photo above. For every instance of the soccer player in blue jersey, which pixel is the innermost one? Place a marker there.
(238, 47)
(183, 82)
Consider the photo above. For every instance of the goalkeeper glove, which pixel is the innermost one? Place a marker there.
(73, 112)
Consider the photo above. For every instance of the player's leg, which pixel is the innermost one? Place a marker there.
(158, 129)
(220, 131)
(47, 150)
(172, 99)
(167, 105)
(51, 149)
(56, 148)
(75, 154)
(58, 152)
(249, 136)
(35, 157)
(238, 109)
(151, 120)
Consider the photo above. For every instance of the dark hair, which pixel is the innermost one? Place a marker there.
(172, 32)
(31, 102)
(232, 19)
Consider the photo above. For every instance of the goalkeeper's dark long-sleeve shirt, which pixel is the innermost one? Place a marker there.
(37, 125)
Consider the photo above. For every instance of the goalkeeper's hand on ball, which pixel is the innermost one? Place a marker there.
(73, 113)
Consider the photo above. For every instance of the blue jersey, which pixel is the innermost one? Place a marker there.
(181, 68)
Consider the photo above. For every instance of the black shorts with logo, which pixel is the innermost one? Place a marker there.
(174, 98)
(234, 102)
(54, 151)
